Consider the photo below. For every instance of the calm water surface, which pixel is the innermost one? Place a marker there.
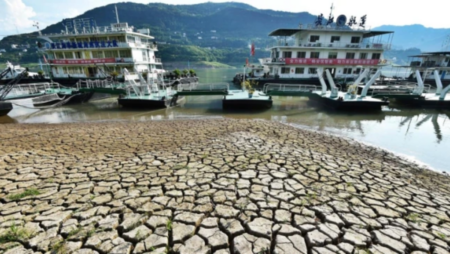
(420, 135)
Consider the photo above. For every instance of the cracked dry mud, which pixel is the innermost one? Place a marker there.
(212, 186)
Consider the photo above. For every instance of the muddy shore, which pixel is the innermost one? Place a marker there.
(212, 186)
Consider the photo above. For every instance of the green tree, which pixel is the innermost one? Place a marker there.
(177, 73)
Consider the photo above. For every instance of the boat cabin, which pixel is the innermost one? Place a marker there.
(297, 53)
(88, 51)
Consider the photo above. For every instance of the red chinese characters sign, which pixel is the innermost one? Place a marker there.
(84, 61)
(319, 61)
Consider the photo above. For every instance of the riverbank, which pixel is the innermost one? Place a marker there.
(212, 186)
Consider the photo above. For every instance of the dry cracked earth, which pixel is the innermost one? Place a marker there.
(212, 186)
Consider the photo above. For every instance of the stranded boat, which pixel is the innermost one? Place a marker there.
(147, 94)
(12, 71)
(85, 51)
(425, 62)
(338, 47)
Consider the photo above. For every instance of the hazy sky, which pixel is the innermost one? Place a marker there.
(17, 16)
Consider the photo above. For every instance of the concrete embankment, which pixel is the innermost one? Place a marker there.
(212, 186)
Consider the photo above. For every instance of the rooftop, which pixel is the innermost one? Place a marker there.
(437, 53)
(291, 31)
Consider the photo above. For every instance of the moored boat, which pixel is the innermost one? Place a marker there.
(85, 51)
(338, 47)
(5, 108)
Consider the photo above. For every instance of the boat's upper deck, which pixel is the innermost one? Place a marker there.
(439, 59)
(332, 37)
(113, 30)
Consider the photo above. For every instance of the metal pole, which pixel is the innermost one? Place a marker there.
(117, 14)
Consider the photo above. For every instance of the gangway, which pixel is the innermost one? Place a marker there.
(101, 86)
(193, 89)
(299, 90)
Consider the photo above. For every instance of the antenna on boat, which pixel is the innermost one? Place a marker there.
(331, 17)
(117, 14)
(36, 24)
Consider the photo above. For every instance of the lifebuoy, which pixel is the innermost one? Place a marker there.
(292, 70)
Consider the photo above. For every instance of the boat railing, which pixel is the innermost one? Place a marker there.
(270, 87)
(385, 46)
(407, 87)
(97, 84)
(31, 88)
(191, 87)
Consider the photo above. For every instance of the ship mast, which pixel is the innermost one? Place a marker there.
(117, 14)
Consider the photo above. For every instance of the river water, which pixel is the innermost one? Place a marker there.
(420, 135)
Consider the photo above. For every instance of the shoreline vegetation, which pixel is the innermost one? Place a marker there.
(218, 186)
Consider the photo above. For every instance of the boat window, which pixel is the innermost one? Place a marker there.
(347, 70)
(376, 56)
(301, 54)
(312, 71)
(144, 55)
(97, 54)
(285, 70)
(78, 55)
(335, 38)
(447, 59)
(350, 55)
(59, 55)
(68, 55)
(356, 39)
(357, 71)
(299, 70)
(111, 54)
(125, 53)
(131, 39)
(363, 56)
(287, 54)
(315, 54)
(332, 55)
(314, 38)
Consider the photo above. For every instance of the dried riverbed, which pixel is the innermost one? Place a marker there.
(212, 186)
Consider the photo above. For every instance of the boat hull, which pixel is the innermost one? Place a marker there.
(423, 103)
(260, 82)
(352, 105)
(5, 108)
(148, 103)
(246, 104)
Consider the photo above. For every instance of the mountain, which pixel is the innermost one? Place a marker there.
(233, 23)
(227, 28)
(219, 32)
(417, 36)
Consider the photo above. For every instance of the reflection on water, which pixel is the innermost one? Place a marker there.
(417, 134)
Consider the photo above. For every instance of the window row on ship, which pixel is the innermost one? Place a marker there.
(295, 71)
(137, 54)
(123, 38)
(80, 71)
(326, 55)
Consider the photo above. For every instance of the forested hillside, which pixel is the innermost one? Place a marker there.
(214, 32)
